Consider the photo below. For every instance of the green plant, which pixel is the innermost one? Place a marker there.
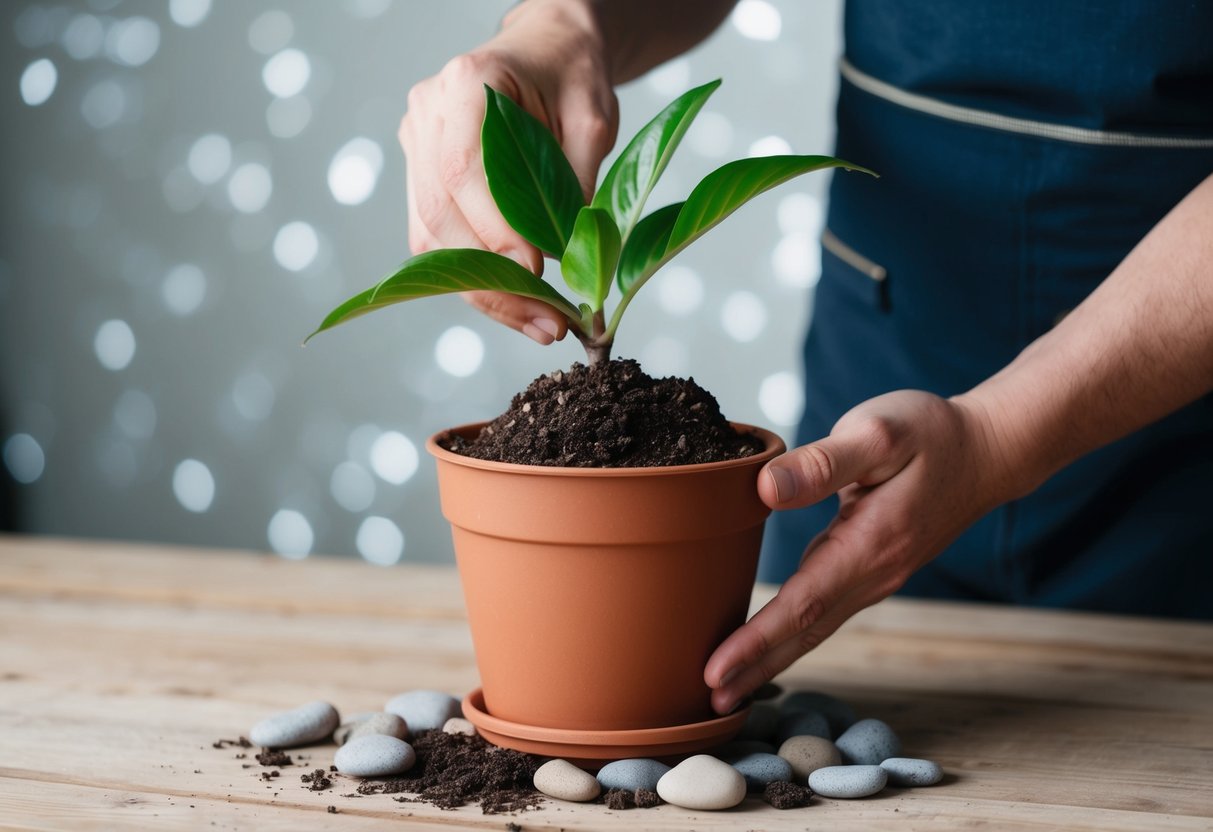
(597, 244)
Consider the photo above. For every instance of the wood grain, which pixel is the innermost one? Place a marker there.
(120, 664)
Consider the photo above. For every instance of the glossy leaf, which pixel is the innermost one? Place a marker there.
(631, 178)
(528, 175)
(446, 271)
(647, 245)
(589, 261)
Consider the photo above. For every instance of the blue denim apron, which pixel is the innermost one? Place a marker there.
(1025, 147)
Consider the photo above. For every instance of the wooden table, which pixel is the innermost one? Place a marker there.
(121, 664)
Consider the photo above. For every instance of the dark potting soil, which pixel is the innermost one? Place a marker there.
(609, 415)
(787, 795)
(269, 757)
(628, 799)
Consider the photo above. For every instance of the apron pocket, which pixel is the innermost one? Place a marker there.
(870, 278)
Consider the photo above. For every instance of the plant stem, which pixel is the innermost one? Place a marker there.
(598, 343)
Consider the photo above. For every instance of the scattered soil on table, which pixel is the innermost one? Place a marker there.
(609, 415)
(628, 799)
(787, 795)
(454, 769)
(271, 757)
(317, 781)
(243, 742)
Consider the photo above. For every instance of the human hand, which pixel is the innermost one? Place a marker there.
(549, 58)
(912, 471)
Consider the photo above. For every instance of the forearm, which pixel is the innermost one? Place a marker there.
(1138, 348)
(633, 35)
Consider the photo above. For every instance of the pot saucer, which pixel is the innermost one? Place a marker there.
(591, 749)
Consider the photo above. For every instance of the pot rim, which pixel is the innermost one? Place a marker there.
(773, 446)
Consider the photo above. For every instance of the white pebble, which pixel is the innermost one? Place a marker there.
(374, 755)
(308, 723)
(564, 781)
(459, 725)
(702, 782)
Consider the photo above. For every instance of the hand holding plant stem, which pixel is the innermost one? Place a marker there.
(599, 243)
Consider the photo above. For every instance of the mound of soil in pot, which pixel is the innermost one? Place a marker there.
(609, 415)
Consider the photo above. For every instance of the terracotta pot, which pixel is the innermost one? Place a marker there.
(596, 595)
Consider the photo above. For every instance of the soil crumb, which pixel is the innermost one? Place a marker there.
(243, 742)
(455, 769)
(787, 795)
(609, 415)
(270, 757)
(317, 781)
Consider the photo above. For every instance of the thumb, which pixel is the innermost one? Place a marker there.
(587, 134)
(867, 451)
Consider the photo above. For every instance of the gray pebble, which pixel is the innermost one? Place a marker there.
(839, 714)
(907, 771)
(424, 710)
(632, 774)
(848, 781)
(868, 742)
(313, 722)
(761, 723)
(387, 724)
(343, 731)
(761, 769)
(374, 755)
(802, 724)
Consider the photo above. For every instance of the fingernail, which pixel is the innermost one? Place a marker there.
(536, 334)
(728, 677)
(784, 482)
(547, 325)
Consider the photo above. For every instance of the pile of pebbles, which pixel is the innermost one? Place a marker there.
(809, 743)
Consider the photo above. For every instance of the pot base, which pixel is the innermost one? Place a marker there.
(592, 749)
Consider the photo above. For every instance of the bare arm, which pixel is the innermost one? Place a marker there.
(913, 471)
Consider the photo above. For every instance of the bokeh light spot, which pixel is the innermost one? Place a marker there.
(354, 171)
(286, 73)
(757, 20)
(209, 158)
(183, 289)
(671, 78)
(132, 42)
(84, 37)
(104, 104)
(352, 487)
(193, 485)
(24, 458)
(188, 13)
(296, 246)
(135, 414)
(797, 260)
(711, 135)
(38, 82)
(380, 541)
(781, 398)
(394, 457)
(271, 31)
(800, 212)
(679, 290)
(743, 316)
(459, 351)
(769, 146)
(250, 187)
(253, 395)
(114, 345)
(290, 534)
(286, 118)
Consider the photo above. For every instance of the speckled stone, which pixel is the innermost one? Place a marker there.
(839, 714)
(848, 781)
(564, 781)
(807, 754)
(424, 710)
(868, 742)
(313, 722)
(761, 722)
(343, 730)
(459, 725)
(802, 724)
(632, 774)
(907, 771)
(374, 755)
(389, 725)
(761, 769)
(702, 782)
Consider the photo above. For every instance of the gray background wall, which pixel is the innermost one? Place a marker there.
(189, 185)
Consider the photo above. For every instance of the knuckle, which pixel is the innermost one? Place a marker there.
(817, 466)
(806, 612)
(456, 163)
(465, 68)
(881, 434)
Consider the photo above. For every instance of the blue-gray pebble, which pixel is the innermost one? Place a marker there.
(840, 715)
(632, 774)
(848, 781)
(803, 724)
(424, 710)
(868, 742)
(907, 771)
(374, 755)
(313, 722)
(761, 769)
(761, 723)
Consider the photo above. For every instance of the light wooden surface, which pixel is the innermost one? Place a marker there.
(120, 664)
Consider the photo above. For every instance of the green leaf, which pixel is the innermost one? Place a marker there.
(592, 254)
(443, 272)
(528, 175)
(631, 179)
(646, 247)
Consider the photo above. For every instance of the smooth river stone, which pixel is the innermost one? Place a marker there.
(459, 725)
(632, 774)
(802, 724)
(313, 722)
(374, 755)
(907, 771)
(840, 715)
(868, 742)
(389, 725)
(848, 781)
(702, 782)
(761, 723)
(424, 710)
(564, 781)
(349, 723)
(762, 769)
(807, 754)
